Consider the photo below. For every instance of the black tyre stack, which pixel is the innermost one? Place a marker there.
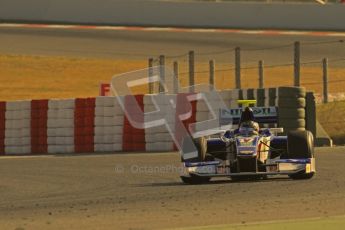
(291, 108)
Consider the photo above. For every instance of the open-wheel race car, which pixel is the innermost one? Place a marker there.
(249, 152)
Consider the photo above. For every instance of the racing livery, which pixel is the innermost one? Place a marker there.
(249, 152)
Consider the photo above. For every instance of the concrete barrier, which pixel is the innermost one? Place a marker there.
(100, 125)
(182, 14)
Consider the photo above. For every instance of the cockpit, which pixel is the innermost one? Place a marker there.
(247, 131)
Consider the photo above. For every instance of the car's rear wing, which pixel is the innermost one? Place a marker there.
(262, 115)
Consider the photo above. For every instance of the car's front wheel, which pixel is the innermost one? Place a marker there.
(301, 146)
(198, 144)
(302, 176)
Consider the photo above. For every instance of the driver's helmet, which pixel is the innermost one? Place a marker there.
(247, 115)
(247, 125)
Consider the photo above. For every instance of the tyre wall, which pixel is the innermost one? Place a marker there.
(60, 126)
(39, 121)
(264, 97)
(17, 127)
(291, 108)
(159, 138)
(109, 125)
(100, 124)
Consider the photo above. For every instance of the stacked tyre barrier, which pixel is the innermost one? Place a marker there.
(230, 98)
(184, 106)
(291, 108)
(39, 117)
(290, 101)
(18, 123)
(101, 125)
(159, 138)
(203, 113)
(84, 124)
(133, 137)
(109, 125)
(60, 126)
(264, 97)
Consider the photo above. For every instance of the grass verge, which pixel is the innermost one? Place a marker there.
(332, 118)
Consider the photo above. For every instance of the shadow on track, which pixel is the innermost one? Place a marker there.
(214, 182)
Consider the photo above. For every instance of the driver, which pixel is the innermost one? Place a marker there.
(247, 120)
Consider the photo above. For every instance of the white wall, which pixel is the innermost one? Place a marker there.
(156, 13)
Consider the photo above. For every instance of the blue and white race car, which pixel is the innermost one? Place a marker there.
(249, 152)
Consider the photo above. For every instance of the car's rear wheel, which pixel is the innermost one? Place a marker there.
(192, 179)
(300, 146)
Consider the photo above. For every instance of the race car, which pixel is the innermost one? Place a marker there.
(249, 152)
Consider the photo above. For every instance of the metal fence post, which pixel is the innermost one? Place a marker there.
(212, 74)
(238, 68)
(161, 73)
(176, 77)
(150, 72)
(261, 74)
(325, 80)
(297, 64)
(191, 71)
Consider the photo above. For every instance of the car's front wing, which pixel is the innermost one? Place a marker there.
(273, 167)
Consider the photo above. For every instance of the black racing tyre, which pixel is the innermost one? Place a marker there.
(201, 146)
(292, 102)
(292, 92)
(246, 178)
(294, 123)
(192, 179)
(209, 157)
(302, 176)
(300, 144)
(289, 113)
(217, 151)
(288, 129)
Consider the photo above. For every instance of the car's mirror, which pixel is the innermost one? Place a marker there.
(275, 131)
